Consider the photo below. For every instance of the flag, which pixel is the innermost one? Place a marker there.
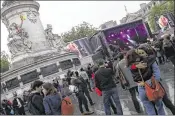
(22, 17)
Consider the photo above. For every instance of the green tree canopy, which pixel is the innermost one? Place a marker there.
(4, 62)
(82, 30)
(158, 10)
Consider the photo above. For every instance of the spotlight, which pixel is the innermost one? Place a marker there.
(112, 35)
(127, 43)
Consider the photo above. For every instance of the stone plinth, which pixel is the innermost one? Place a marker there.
(46, 69)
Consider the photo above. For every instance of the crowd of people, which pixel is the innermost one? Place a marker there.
(135, 69)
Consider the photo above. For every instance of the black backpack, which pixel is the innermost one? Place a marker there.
(33, 109)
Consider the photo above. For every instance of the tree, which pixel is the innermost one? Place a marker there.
(78, 32)
(158, 10)
(4, 62)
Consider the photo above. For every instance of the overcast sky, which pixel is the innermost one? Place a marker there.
(64, 15)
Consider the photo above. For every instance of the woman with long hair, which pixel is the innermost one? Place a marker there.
(52, 100)
(140, 64)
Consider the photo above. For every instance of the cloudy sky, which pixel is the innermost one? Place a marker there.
(64, 15)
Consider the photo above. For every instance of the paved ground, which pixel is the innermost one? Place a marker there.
(167, 72)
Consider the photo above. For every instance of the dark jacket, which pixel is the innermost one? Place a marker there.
(52, 104)
(169, 51)
(89, 73)
(147, 72)
(79, 84)
(15, 103)
(35, 104)
(103, 79)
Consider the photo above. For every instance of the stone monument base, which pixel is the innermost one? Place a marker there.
(44, 68)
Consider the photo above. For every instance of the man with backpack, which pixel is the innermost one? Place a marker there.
(78, 90)
(35, 101)
(84, 86)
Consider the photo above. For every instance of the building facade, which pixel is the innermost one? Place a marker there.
(108, 24)
(143, 13)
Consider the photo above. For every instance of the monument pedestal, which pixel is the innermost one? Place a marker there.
(45, 69)
(37, 54)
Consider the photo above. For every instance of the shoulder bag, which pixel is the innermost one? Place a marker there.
(155, 91)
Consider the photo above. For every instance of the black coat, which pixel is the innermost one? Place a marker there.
(35, 104)
(15, 103)
(146, 72)
(104, 79)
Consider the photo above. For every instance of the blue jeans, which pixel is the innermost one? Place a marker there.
(106, 101)
(148, 104)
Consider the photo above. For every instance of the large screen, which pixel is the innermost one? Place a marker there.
(131, 33)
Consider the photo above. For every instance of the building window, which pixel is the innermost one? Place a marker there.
(29, 77)
(76, 62)
(13, 83)
(48, 70)
(66, 64)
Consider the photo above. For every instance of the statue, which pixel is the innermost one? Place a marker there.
(5, 21)
(32, 16)
(54, 40)
(18, 39)
(8, 2)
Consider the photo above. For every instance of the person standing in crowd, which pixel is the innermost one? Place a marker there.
(57, 85)
(7, 106)
(95, 68)
(78, 90)
(18, 105)
(52, 100)
(136, 59)
(85, 76)
(122, 72)
(89, 73)
(35, 103)
(85, 89)
(157, 75)
(105, 83)
(169, 48)
(68, 78)
(26, 96)
(65, 88)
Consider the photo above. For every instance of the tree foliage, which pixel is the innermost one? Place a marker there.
(158, 10)
(4, 62)
(80, 31)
